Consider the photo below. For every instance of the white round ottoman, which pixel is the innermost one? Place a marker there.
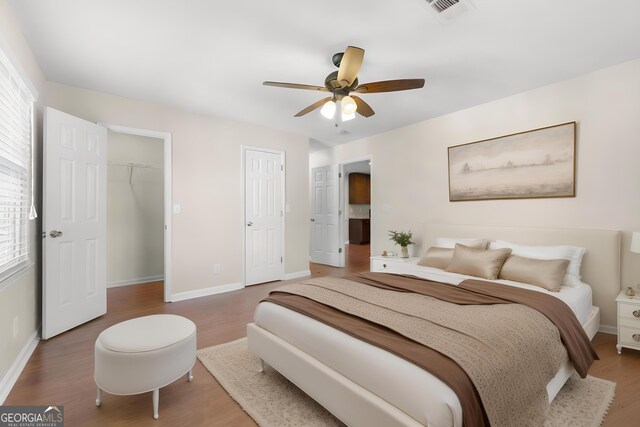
(144, 354)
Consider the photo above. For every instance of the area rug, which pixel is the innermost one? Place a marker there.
(272, 401)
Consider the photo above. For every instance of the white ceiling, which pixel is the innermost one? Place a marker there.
(211, 57)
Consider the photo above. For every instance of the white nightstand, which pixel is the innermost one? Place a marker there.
(628, 322)
(392, 264)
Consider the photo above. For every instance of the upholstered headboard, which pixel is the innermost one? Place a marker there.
(600, 265)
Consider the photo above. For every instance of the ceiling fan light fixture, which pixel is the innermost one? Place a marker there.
(329, 109)
(341, 83)
(349, 106)
(347, 117)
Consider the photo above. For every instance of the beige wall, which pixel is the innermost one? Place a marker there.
(409, 165)
(135, 208)
(207, 177)
(20, 299)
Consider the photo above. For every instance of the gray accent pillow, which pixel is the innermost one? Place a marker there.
(485, 263)
(437, 257)
(545, 273)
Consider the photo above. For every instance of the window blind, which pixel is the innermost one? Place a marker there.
(16, 112)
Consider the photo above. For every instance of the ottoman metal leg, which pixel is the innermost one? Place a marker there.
(99, 397)
(156, 399)
(190, 375)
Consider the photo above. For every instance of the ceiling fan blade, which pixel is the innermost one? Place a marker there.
(296, 86)
(313, 106)
(364, 109)
(390, 86)
(350, 65)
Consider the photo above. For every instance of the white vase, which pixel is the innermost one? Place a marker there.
(404, 252)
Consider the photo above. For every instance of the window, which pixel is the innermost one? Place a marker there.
(16, 200)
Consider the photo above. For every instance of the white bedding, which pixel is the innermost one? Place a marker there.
(408, 387)
(399, 382)
(578, 298)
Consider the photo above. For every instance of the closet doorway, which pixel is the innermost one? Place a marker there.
(138, 207)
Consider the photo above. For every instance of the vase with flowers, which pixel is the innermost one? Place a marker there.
(402, 239)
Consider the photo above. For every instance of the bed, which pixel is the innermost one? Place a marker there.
(362, 384)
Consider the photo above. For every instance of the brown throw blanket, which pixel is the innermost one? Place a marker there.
(509, 351)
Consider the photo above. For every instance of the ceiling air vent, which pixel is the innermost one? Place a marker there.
(442, 5)
(449, 10)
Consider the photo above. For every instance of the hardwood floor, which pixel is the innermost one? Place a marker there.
(60, 371)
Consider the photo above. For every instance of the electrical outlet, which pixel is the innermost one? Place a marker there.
(217, 268)
(177, 209)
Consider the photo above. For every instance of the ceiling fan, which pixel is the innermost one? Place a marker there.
(343, 82)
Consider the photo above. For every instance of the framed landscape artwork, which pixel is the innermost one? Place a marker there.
(532, 164)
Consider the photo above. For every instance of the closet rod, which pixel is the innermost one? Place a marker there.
(132, 165)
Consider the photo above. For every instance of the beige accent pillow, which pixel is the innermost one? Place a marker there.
(546, 273)
(437, 257)
(450, 242)
(573, 253)
(485, 263)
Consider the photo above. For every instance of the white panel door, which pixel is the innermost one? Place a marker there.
(264, 217)
(325, 221)
(74, 222)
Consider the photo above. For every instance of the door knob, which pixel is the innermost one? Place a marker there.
(249, 224)
(312, 219)
(55, 233)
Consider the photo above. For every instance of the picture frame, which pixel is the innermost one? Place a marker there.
(537, 163)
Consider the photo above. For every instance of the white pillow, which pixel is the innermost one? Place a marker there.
(450, 242)
(573, 253)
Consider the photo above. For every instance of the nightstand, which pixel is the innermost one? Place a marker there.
(392, 264)
(628, 322)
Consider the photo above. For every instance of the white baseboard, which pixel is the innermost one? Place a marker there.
(181, 296)
(12, 375)
(137, 281)
(297, 275)
(608, 329)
